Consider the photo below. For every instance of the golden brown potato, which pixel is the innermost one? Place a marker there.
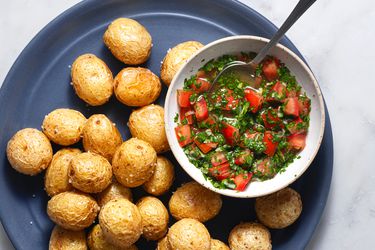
(176, 58)
(134, 162)
(62, 239)
(72, 210)
(101, 136)
(192, 200)
(218, 245)
(147, 124)
(29, 151)
(121, 222)
(280, 209)
(155, 217)
(128, 41)
(90, 172)
(163, 244)
(189, 234)
(56, 179)
(97, 241)
(64, 126)
(162, 179)
(114, 191)
(92, 79)
(137, 86)
(250, 236)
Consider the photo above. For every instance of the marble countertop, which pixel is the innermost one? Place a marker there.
(336, 39)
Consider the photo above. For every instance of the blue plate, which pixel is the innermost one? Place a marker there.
(39, 82)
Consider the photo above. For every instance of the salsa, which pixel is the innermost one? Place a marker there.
(236, 133)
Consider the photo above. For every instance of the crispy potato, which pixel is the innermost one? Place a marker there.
(114, 191)
(62, 239)
(192, 200)
(90, 172)
(250, 236)
(72, 210)
(64, 126)
(101, 136)
(163, 244)
(155, 217)
(218, 245)
(162, 179)
(280, 209)
(128, 41)
(189, 234)
(97, 241)
(29, 151)
(137, 86)
(147, 124)
(92, 79)
(121, 222)
(134, 162)
(176, 58)
(56, 179)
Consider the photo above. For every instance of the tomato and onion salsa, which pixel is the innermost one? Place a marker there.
(236, 133)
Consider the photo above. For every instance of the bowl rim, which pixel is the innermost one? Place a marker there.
(228, 192)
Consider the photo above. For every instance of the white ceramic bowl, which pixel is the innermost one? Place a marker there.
(234, 45)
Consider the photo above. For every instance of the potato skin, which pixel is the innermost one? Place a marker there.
(218, 245)
(192, 200)
(29, 151)
(90, 172)
(114, 191)
(280, 209)
(64, 126)
(101, 136)
(72, 210)
(56, 179)
(250, 236)
(121, 222)
(92, 79)
(137, 86)
(147, 124)
(97, 241)
(62, 239)
(189, 234)
(134, 162)
(162, 179)
(128, 41)
(163, 244)
(155, 217)
(176, 58)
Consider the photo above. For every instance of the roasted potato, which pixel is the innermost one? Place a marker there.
(64, 126)
(134, 162)
(114, 191)
(121, 222)
(137, 86)
(250, 236)
(189, 234)
(62, 239)
(72, 210)
(56, 179)
(147, 124)
(92, 79)
(163, 244)
(162, 179)
(128, 41)
(155, 217)
(176, 58)
(29, 151)
(280, 209)
(192, 200)
(218, 245)
(90, 172)
(101, 136)
(97, 241)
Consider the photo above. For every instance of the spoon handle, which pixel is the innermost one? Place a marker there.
(300, 8)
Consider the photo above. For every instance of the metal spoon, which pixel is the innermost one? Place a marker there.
(246, 71)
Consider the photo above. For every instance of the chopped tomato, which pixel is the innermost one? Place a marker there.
(231, 102)
(188, 114)
(271, 120)
(205, 147)
(264, 167)
(291, 106)
(280, 91)
(270, 68)
(247, 135)
(293, 127)
(254, 98)
(270, 145)
(304, 106)
(201, 110)
(183, 98)
(241, 159)
(220, 172)
(183, 133)
(230, 133)
(210, 122)
(201, 85)
(242, 180)
(297, 141)
(292, 93)
(218, 159)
